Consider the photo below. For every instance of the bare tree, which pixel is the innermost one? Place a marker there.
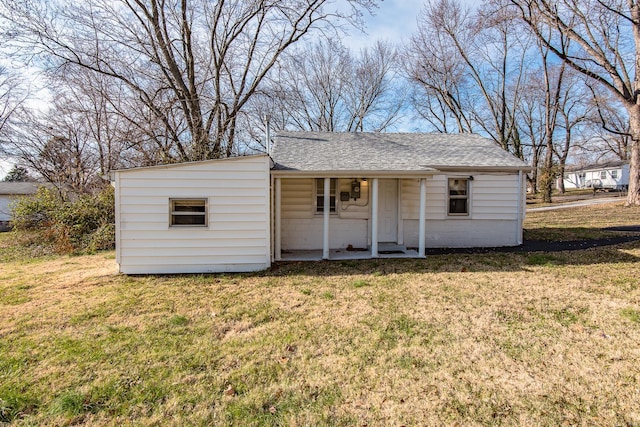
(472, 62)
(605, 47)
(13, 94)
(325, 87)
(438, 72)
(192, 65)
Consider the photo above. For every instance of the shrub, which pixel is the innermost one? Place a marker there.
(81, 224)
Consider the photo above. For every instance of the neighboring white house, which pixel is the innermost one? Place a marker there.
(386, 195)
(9, 192)
(610, 175)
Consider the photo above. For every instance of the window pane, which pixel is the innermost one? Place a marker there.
(457, 187)
(188, 220)
(320, 195)
(603, 175)
(458, 206)
(188, 212)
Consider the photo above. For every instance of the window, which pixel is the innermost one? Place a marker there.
(603, 175)
(458, 196)
(320, 195)
(614, 174)
(188, 212)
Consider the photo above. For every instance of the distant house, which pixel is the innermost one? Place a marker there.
(9, 192)
(320, 196)
(607, 176)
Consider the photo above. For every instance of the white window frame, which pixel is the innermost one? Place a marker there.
(319, 183)
(614, 174)
(186, 200)
(466, 197)
(603, 174)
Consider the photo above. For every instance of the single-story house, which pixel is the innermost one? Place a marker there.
(612, 175)
(9, 192)
(320, 195)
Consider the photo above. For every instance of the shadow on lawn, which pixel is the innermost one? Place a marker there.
(531, 253)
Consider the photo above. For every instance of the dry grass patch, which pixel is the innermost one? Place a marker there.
(580, 223)
(509, 339)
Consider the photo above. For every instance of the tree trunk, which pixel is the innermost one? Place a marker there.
(633, 196)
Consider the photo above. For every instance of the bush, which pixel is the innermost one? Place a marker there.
(82, 224)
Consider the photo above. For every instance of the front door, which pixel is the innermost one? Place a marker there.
(388, 211)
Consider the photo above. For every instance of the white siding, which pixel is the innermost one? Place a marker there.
(493, 218)
(237, 237)
(5, 209)
(302, 228)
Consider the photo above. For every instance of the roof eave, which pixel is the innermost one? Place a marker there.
(352, 173)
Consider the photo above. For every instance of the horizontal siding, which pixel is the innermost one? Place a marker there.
(185, 267)
(435, 198)
(208, 254)
(297, 198)
(152, 236)
(492, 197)
(495, 197)
(237, 237)
(463, 233)
(307, 233)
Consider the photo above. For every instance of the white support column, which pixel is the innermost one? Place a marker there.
(278, 220)
(423, 217)
(374, 218)
(325, 216)
(521, 201)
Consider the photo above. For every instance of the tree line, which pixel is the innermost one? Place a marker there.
(143, 82)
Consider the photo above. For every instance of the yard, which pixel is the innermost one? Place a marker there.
(460, 339)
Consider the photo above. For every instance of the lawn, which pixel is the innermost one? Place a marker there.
(510, 339)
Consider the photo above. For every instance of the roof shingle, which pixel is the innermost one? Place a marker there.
(336, 151)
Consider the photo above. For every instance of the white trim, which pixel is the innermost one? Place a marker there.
(173, 213)
(521, 211)
(325, 216)
(400, 231)
(116, 184)
(447, 195)
(278, 219)
(422, 218)
(374, 218)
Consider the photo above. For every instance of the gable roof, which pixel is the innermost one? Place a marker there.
(18, 188)
(393, 152)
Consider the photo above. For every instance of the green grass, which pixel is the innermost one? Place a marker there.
(509, 339)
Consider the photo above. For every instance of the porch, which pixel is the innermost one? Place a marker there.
(362, 219)
(384, 251)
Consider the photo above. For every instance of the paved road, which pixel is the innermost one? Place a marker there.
(578, 204)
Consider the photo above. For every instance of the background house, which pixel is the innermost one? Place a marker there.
(320, 196)
(612, 175)
(10, 191)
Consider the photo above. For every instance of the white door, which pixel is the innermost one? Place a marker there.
(388, 211)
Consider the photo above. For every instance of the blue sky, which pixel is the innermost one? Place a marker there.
(394, 21)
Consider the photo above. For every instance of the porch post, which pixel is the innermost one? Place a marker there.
(374, 218)
(423, 215)
(325, 216)
(278, 220)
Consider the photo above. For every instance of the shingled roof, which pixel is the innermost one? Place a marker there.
(18, 188)
(406, 152)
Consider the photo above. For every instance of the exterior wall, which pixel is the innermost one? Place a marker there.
(302, 227)
(237, 237)
(5, 210)
(493, 219)
(497, 208)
